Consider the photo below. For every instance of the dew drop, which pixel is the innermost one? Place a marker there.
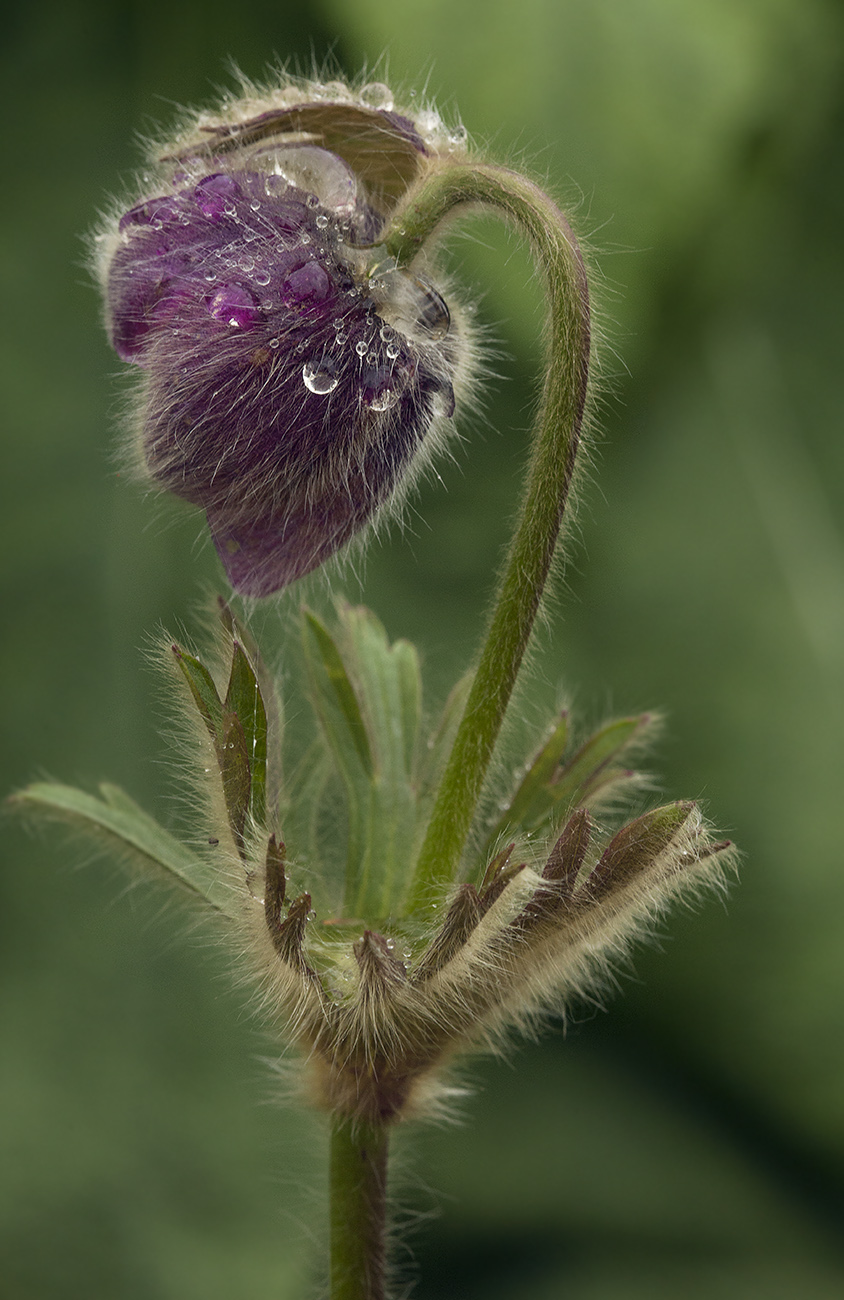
(154, 213)
(429, 121)
(255, 886)
(382, 386)
(322, 221)
(306, 284)
(383, 401)
(410, 304)
(261, 277)
(377, 95)
(326, 179)
(392, 351)
(235, 307)
(361, 348)
(319, 377)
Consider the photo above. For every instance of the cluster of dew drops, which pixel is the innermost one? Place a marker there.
(399, 307)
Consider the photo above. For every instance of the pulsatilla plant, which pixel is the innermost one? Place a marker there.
(276, 285)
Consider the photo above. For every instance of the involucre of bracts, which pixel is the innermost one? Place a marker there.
(381, 999)
(294, 381)
(378, 1030)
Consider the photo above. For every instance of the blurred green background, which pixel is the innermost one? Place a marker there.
(690, 1139)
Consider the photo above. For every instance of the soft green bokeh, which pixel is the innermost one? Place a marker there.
(691, 1140)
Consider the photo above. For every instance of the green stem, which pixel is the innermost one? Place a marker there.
(549, 477)
(358, 1211)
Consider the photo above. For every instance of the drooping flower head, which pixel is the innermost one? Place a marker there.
(295, 379)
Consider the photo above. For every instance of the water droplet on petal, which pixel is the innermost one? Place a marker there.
(214, 193)
(383, 401)
(235, 306)
(320, 376)
(155, 212)
(382, 386)
(306, 284)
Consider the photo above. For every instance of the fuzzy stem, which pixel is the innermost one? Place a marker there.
(549, 477)
(358, 1195)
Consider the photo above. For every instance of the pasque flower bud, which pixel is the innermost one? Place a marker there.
(295, 380)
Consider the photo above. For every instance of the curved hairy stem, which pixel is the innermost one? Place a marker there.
(555, 440)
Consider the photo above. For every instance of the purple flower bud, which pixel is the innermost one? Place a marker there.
(292, 376)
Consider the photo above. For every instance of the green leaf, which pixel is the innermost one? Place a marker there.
(550, 789)
(234, 773)
(434, 755)
(204, 692)
(390, 689)
(337, 704)
(582, 775)
(367, 695)
(122, 825)
(531, 801)
(238, 632)
(244, 699)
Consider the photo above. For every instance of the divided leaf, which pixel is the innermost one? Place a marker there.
(551, 787)
(119, 823)
(238, 731)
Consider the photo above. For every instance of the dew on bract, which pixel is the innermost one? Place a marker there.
(376, 95)
(429, 121)
(319, 377)
(411, 305)
(315, 171)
